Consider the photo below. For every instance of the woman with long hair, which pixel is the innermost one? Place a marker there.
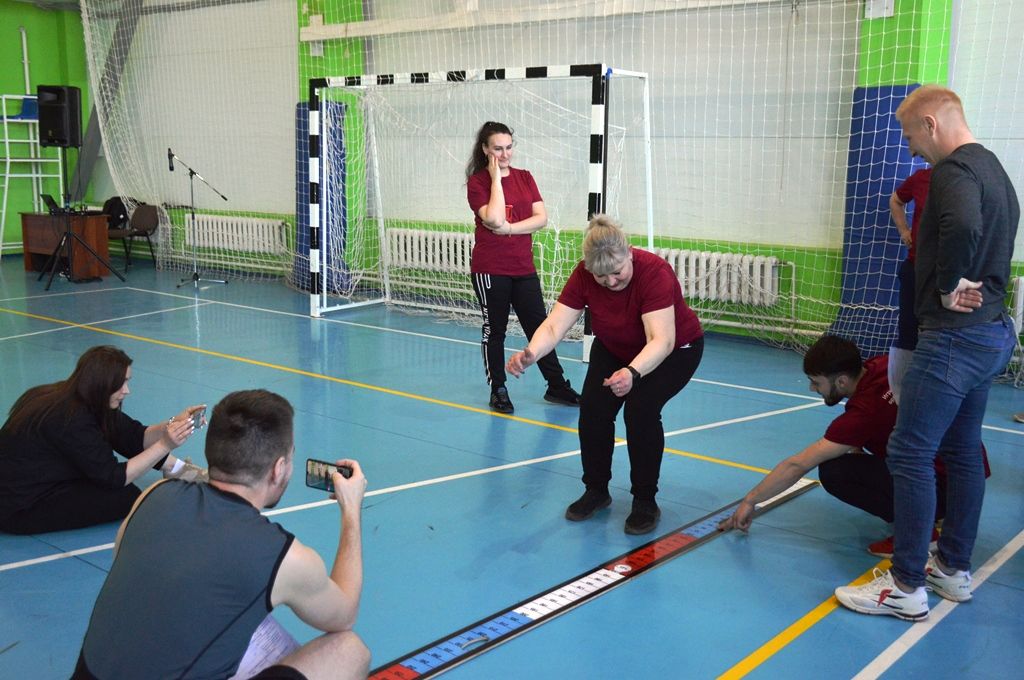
(57, 468)
(507, 208)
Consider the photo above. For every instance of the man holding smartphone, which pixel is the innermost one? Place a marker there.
(197, 568)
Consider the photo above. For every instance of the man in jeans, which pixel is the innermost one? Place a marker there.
(966, 339)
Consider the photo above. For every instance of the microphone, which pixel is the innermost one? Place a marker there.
(170, 159)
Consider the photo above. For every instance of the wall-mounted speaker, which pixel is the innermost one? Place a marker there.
(60, 115)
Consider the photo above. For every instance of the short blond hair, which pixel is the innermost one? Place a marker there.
(929, 99)
(605, 246)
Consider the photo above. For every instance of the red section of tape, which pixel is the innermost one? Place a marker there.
(396, 672)
(645, 556)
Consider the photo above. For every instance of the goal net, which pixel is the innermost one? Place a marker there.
(774, 148)
(388, 202)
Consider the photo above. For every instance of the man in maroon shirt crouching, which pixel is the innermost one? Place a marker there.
(850, 457)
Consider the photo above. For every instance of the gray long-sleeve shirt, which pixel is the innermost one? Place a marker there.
(967, 230)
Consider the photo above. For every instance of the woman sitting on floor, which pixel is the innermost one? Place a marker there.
(57, 468)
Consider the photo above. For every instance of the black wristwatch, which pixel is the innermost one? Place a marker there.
(636, 373)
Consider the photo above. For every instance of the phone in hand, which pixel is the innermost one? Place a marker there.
(197, 418)
(318, 474)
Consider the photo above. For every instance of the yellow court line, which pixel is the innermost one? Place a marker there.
(289, 369)
(720, 461)
(805, 623)
(353, 383)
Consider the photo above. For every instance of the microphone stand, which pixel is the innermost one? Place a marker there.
(192, 175)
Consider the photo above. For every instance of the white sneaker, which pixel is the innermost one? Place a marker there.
(189, 472)
(955, 586)
(883, 596)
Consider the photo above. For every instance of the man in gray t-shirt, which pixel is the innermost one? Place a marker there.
(966, 338)
(197, 568)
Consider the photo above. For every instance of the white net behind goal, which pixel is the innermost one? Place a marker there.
(395, 218)
(774, 146)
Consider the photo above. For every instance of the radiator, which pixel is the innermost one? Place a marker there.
(725, 277)
(237, 234)
(436, 251)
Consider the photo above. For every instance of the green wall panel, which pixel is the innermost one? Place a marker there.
(56, 55)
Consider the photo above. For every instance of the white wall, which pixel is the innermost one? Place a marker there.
(750, 106)
(985, 70)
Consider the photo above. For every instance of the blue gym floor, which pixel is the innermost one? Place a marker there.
(463, 513)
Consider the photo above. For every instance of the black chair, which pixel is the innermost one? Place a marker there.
(143, 222)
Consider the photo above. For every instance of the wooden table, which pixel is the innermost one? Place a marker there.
(41, 233)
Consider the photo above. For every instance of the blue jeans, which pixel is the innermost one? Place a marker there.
(945, 392)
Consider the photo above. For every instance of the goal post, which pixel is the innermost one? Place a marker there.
(387, 215)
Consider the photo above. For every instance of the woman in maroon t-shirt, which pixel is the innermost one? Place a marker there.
(648, 344)
(507, 208)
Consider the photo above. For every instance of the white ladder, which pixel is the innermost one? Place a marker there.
(23, 157)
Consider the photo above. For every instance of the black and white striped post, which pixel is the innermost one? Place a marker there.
(599, 74)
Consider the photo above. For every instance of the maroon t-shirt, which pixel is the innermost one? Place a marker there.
(504, 255)
(915, 188)
(615, 315)
(870, 416)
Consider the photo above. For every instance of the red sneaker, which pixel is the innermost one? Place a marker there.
(883, 548)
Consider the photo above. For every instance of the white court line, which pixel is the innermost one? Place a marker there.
(315, 504)
(443, 338)
(319, 320)
(757, 389)
(53, 295)
(905, 642)
(1003, 429)
(426, 482)
(436, 337)
(96, 323)
(429, 482)
(56, 556)
(744, 419)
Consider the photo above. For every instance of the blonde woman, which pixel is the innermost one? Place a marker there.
(648, 344)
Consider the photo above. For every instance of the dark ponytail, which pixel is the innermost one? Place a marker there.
(478, 159)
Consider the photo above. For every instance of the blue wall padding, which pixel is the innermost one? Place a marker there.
(872, 250)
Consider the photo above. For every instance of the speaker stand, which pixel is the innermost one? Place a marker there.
(68, 240)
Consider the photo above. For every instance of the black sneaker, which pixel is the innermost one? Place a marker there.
(562, 394)
(644, 517)
(590, 502)
(500, 401)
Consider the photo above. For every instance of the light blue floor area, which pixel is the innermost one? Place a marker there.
(464, 512)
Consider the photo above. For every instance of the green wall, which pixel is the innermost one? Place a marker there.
(56, 54)
(912, 46)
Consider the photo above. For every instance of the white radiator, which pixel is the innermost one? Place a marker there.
(725, 277)
(436, 251)
(237, 234)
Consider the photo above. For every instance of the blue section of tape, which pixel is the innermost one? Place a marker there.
(454, 647)
(482, 636)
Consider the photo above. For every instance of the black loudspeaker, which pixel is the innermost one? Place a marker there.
(60, 115)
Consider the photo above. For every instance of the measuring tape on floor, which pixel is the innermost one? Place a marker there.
(450, 651)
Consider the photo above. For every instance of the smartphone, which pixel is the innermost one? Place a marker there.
(197, 418)
(318, 474)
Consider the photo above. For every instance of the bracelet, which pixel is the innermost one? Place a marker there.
(636, 373)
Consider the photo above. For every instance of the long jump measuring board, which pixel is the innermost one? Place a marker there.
(450, 651)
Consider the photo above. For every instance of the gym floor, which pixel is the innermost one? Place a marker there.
(463, 516)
